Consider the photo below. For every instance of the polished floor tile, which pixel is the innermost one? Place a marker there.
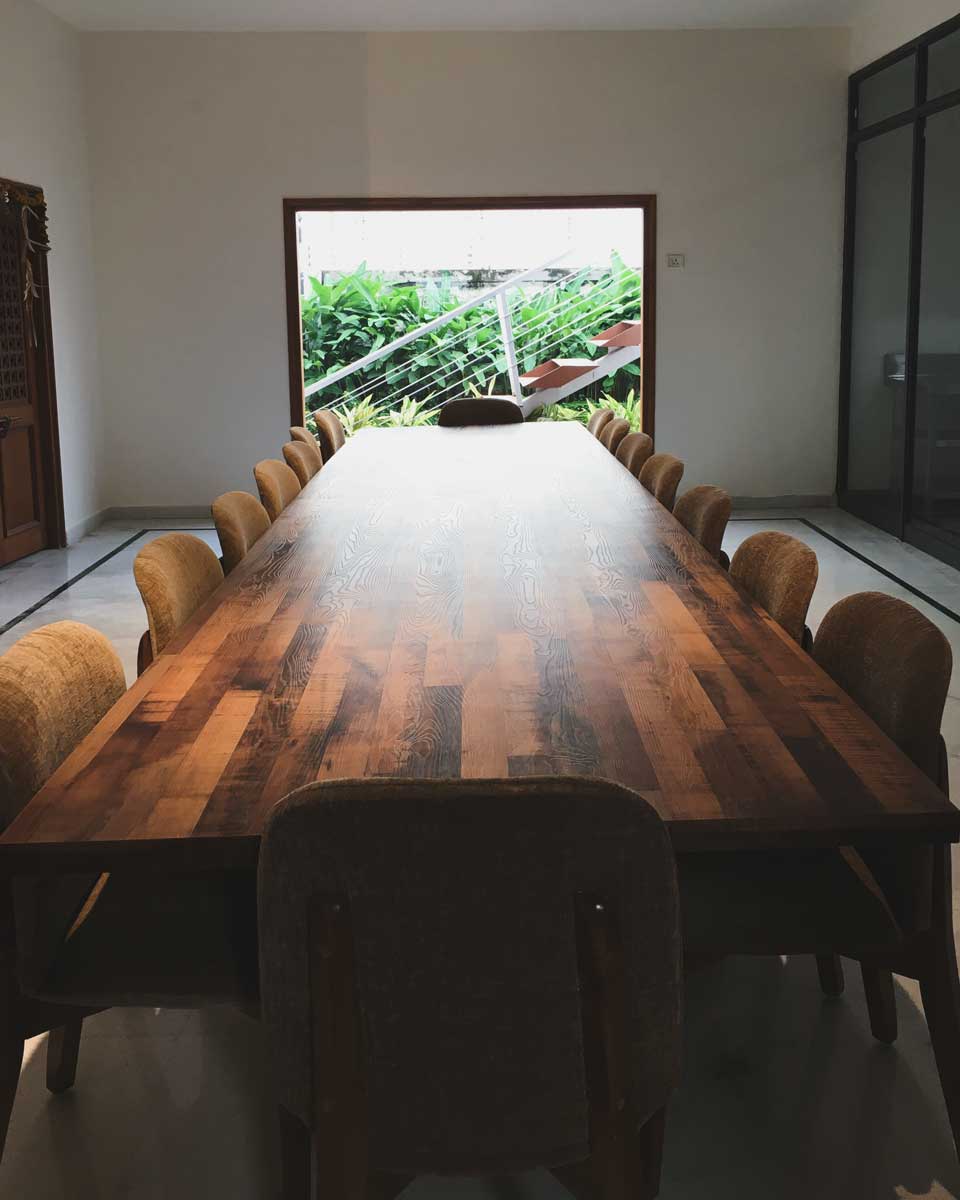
(785, 1094)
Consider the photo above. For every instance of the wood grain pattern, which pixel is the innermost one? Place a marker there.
(477, 602)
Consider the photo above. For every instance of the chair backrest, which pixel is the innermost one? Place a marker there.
(240, 520)
(704, 512)
(780, 573)
(600, 418)
(634, 450)
(330, 435)
(661, 475)
(175, 573)
(298, 433)
(55, 686)
(613, 433)
(895, 663)
(277, 485)
(305, 461)
(455, 903)
(480, 410)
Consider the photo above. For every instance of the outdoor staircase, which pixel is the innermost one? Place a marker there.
(558, 378)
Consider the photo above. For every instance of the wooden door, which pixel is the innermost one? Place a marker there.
(28, 452)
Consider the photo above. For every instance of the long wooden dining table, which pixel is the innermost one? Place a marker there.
(476, 602)
(482, 603)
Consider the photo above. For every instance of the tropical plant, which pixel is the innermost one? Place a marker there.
(358, 313)
(576, 409)
(411, 412)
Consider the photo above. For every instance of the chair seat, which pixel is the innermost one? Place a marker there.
(796, 902)
(171, 940)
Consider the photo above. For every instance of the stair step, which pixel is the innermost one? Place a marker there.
(555, 372)
(624, 333)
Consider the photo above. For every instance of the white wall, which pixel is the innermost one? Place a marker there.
(882, 25)
(196, 139)
(43, 141)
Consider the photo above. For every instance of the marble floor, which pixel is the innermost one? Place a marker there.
(785, 1094)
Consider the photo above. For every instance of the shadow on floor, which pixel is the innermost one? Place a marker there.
(785, 1095)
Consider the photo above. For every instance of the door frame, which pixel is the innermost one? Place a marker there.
(44, 376)
(908, 528)
(646, 202)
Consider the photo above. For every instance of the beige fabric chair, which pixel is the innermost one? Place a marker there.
(896, 664)
(599, 419)
(175, 573)
(305, 461)
(780, 573)
(704, 512)
(480, 410)
(857, 902)
(299, 433)
(277, 485)
(476, 1015)
(330, 434)
(634, 451)
(73, 944)
(613, 433)
(661, 475)
(240, 519)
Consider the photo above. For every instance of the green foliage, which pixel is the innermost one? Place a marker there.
(360, 312)
(410, 412)
(576, 409)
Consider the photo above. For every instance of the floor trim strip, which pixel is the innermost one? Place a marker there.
(58, 591)
(915, 591)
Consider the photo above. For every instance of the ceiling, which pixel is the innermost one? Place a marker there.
(448, 14)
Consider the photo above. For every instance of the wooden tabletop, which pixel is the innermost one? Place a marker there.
(479, 602)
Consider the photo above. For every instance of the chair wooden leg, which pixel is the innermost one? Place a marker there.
(63, 1049)
(11, 1052)
(881, 1002)
(649, 1156)
(830, 970)
(296, 1150)
(940, 989)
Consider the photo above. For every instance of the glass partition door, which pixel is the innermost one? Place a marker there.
(900, 386)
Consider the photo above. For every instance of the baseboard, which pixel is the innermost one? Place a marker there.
(785, 501)
(154, 512)
(81, 528)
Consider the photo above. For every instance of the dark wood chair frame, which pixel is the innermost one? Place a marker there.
(626, 1155)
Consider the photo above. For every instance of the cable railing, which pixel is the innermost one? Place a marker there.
(471, 331)
(446, 377)
(438, 375)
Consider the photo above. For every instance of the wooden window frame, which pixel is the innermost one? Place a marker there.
(647, 203)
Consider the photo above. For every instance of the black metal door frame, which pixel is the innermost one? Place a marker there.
(919, 533)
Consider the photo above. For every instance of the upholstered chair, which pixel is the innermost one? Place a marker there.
(240, 519)
(277, 484)
(860, 902)
(704, 512)
(599, 419)
(661, 475)
(298, 433)
(780, 573)
(613, 433)
(480, 410)
(175, 573)
(634, 451)
(73, 944)
(305, 461)
(330, 434)
(896, 664)
(510, 950)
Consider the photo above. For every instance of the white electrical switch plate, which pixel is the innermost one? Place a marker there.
(678, 261)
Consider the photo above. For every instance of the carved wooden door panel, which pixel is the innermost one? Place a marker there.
(23, 527)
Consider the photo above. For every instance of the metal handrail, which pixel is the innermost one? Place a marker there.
(428, 327)
(424, 386)
(437, 373)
